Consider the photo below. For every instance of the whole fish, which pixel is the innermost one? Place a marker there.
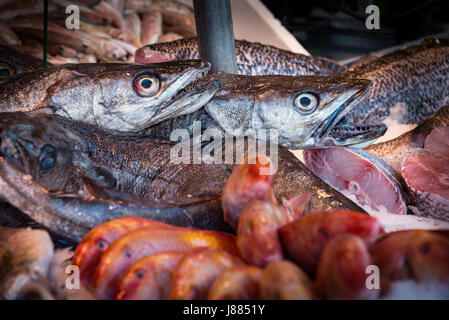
(305, 239)
(304, 112)
(342, 271)
(79, 177)
(408, 84)
(420, 255)
(126, 97)
(144, 242)
(88, 253)
(71, 177)
(196, 272)
(283, 280)
(149, 278)
(257, 235)
(247, 182)
(13, 62)
(25, 256)
(238, 283)
(252, 58)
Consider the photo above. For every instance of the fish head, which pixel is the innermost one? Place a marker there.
(131, 97)
(306, 111)
(37, 149)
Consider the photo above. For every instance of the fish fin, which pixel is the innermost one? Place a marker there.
(92, 189)
(298, 206)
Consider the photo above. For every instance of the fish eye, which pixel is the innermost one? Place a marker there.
(140, 274)
(306, 103)
(146, 85)
(47, 159)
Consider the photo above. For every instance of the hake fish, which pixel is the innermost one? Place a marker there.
(70, 177)
(125, 97)
(306, 112)
(252, 58)
(409, 84)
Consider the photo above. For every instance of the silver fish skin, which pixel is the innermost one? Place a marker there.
(409, 84)
(252, 58)
(245, 105)
(110, 95)
(25, 256)
(70, 177)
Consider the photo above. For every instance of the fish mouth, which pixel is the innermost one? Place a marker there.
(337, 130)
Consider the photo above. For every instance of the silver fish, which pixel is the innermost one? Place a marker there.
(125, 97)
(306, 111)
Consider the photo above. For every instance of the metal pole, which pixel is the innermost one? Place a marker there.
(45, 33)
(215, 34)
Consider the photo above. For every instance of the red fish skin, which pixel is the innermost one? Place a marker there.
(89, 250)
(283, 280)
(305, 239)
(257, 236)
(420, 255)
(245, 184)
(238, 283)
(140, 243)
(197, 271)
(341, 273)
(149, 278)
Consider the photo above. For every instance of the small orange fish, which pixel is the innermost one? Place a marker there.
(238, 283)
(305, 239)
(197, 271)
(144, 242)
(149, 278)
(88, 252)
(421, 255)
(248, 181)
(257, 236)
(283, 280)
(342, 270)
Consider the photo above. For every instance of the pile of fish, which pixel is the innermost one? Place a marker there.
(87, 152)
(108, 30)
(280, 252)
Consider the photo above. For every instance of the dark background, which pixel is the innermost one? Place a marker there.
(336, 28)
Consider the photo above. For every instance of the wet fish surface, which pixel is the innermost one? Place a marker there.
(408, 84)
(373, 179)
(304, 112)
(396, 150)
(70, 177)
(252, 58)
(125, 97)
(25, 255)
(13, 62)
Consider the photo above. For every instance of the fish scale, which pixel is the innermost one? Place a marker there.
(253, 58)
(409, 84)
